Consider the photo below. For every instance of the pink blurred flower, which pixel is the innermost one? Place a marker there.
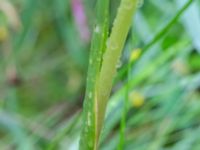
(81, 20)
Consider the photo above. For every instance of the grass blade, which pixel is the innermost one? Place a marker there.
(89, 133)
(114, 47)
(158, 36)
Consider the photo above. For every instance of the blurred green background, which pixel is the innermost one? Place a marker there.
(44, 51)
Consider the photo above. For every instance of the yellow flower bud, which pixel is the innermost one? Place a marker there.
(3, 33)
(136, 98)
(135, 54)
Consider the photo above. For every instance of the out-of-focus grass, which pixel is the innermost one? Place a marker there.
(43, 65)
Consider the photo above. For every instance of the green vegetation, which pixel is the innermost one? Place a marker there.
(99, 75)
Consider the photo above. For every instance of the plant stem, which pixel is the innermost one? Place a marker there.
(112, 54)
(88, 140)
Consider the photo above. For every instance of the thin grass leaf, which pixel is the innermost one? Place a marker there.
(191, 22)
(158, 36)
(125, 111)
(89, 138)
(112, 54)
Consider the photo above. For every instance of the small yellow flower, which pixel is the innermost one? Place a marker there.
(3, 33)
(136, 98)
(135, 54)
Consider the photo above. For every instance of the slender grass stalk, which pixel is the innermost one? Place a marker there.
(88, 140)
(158, 36)
(168, 26)
(102, 69)
(114, 47)
(124, 112)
